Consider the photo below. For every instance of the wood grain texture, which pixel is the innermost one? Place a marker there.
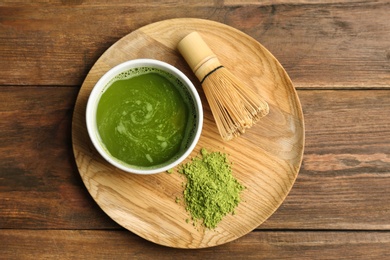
(338, 207)
(40, 186)
(345, 172)
(265, 161)
(85, 244)
(321, 44)
(39, 183)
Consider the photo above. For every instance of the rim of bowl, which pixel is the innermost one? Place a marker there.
(101, 86)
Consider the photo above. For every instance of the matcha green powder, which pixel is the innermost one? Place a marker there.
(211, 191)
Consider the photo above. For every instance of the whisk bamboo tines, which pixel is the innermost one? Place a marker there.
(235, 107)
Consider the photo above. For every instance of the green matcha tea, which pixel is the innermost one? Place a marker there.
(145, 117)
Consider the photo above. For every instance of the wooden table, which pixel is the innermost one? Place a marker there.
(337, 54)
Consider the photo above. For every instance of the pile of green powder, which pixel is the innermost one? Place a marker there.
(211, 191)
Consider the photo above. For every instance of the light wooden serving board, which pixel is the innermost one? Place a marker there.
(266, 159)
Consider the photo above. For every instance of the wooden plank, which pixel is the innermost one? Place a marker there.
(39, 182)
(345, 174)
(175, 3)
(82, 244)
(341, 45)
(293, 2)
(343, 182)
(88, 3)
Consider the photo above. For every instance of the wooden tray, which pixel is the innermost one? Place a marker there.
(266, 159)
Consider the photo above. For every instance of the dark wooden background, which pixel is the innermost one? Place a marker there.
(337, 54)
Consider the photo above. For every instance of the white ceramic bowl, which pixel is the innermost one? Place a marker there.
(104, 83)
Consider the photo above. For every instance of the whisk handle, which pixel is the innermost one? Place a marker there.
(198, 55)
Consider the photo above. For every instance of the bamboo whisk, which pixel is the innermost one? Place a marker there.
(235, 107)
